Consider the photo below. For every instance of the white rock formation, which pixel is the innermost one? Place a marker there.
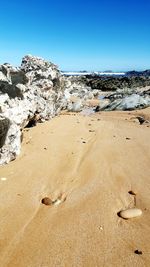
(32, 92)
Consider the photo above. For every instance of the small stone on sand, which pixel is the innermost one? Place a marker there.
(3, 178)
(130, 213)
(139, 252)
(61, 198)
(47, 201)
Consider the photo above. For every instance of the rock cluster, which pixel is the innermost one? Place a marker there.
(77, 94)
(114, 83)
(37, 91)
(125, 100)
(32, 92)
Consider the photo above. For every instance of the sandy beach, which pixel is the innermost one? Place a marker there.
(86, 165)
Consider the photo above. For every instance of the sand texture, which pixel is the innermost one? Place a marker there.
(85, 166)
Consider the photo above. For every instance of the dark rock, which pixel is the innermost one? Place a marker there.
(140, 119)
(10, 89)
(47, 201)
(97, 109)
(4, 127)
(138, 252)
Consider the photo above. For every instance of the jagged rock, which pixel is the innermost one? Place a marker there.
(130, 103)
(76, 94)
(33, 91)
(37, 69)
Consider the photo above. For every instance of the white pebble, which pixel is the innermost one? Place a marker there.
(57, 202)
(130, 213)
(3, 178)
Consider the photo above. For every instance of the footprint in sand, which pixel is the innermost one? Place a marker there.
(131, 192)
(49, 202)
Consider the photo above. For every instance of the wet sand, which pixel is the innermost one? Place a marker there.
(86, 165)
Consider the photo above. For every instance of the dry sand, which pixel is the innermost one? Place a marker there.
(89, 160)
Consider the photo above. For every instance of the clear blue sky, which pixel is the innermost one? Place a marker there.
(77, 35)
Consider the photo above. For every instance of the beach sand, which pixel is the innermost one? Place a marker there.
(86, 165)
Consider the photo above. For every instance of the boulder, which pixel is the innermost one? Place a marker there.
(33, 91)
(131, 102)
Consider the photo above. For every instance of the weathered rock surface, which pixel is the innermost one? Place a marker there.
(76, 94)
(33, 91)
(125, 102)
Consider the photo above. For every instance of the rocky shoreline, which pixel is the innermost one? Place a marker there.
(37, 91)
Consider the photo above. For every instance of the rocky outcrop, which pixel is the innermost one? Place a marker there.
(116, 93)
(113, 83)
(125, 101)
(134, 73)
(76, 94)
(32, 92)
(37, 91)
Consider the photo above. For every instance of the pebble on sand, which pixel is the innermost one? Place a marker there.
(139, 252)
(130, 213)
(47, 201)
(3, 178)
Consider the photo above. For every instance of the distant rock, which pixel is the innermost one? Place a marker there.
(134, 73)
(105, 83)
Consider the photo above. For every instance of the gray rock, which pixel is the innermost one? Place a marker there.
(4, 127)
(129, 103)
(132, 102)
